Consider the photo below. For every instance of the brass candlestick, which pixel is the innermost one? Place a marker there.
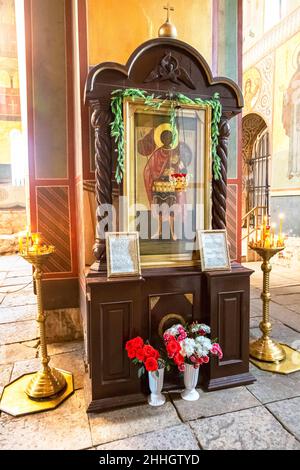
(265, 348)
(47, 381)
(47, 388)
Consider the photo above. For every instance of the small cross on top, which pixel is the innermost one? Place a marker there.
(168, 8)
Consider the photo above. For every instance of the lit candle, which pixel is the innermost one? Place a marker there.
(20, 244)
(27, 237)
(273, 234)
(262, 234)
(281, 217)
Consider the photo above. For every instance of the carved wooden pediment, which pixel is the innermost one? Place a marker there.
(169, 69)
(162, 65)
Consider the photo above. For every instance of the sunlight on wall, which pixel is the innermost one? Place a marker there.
(116, 28)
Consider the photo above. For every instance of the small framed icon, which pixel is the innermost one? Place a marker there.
(122, 254)
(213, 247)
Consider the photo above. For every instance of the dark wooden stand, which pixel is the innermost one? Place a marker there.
(120, 309)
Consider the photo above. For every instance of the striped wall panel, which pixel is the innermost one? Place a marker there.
(53, 221)
(232, 219)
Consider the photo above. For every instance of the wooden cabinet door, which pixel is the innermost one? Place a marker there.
(115, 317)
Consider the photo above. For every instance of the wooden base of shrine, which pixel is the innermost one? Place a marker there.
(121, 308)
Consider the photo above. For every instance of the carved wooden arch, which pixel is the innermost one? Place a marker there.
(160, 66)
(252, 125)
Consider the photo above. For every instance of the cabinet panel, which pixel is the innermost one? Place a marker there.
(230, 321)
(115, 322)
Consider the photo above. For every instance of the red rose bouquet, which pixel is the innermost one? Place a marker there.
(144, 355)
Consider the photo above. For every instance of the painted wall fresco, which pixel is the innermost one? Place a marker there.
(271, 85)
(286, 125)
(272, 90)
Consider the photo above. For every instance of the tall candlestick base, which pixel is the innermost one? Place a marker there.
(265, 348)
(47, 388)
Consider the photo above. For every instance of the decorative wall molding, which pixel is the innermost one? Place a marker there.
(264, 103)
(273, 39)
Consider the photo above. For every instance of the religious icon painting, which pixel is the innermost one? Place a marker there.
(122, 254)
(167, 182)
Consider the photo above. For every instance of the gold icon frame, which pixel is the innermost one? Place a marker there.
(202, 115)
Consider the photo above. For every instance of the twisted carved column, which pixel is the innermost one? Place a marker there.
(219, 187)
(100, 120)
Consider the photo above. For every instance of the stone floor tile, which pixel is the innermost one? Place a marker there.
(127, 422)
(254, 292)
(255, 307)
(58, 348)
(18, 332)
(288, 413)
(25, 367)
(23, 297)
(272, 387)
(14, 283)
(285, 290)
(20, 313)
(20, 272)
(214, 403)
(174, 438)
(70, 362)
(252, 429)
(66, 427)
(11, 353)
(5, 374)
(294, 307)
(287, 316)
(283, 313)
(7, 262)
(289, 299)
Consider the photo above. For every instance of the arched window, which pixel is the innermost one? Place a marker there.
(259, 174)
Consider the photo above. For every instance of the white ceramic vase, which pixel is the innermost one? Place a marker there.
(190, 377)
(156, 398)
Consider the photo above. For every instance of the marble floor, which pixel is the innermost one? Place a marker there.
(264, 415)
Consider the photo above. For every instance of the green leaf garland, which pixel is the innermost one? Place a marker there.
(150, 101)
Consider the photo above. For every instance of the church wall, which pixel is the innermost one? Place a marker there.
(116, 28)
(51, 145)
(271, 79)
